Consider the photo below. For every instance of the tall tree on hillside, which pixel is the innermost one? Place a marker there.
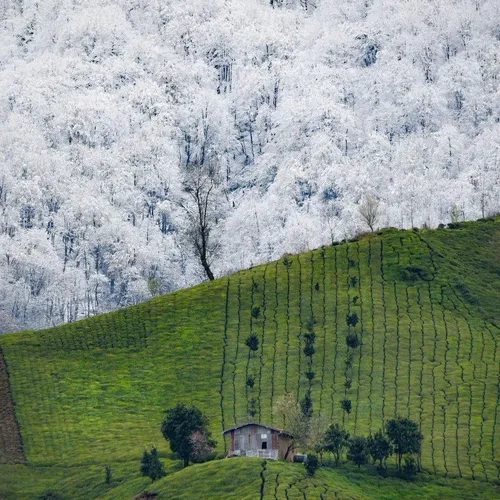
(379, 448)
(336, 440)
(201, 204)
(294, 420)
(405, 437)
(358, 450)
(369, 211)
(180, 427)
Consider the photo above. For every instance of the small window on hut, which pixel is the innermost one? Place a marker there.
(264, 445)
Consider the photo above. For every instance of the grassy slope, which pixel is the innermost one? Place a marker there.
(95, 391)
(236, 479)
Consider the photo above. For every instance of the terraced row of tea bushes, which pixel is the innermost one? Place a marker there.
(418, 350)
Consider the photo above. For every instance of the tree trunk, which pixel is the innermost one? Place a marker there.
(207, 269)
(186, 462)
(288, 450)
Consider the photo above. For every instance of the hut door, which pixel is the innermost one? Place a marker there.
(263, 438)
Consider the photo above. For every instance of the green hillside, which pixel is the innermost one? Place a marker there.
(428, 304)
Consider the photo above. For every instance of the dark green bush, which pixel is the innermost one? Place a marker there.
(256, 312)
(108, 474)
(414, 273)
(311, 464)
(410, 468)
(346, 405)
(50, 495)
(252, 407)
(465, 292)
(352, 319)
(309, 347)
(252, 342)
(306, 405)
(309, 350)
(250, 381)
(352, 340)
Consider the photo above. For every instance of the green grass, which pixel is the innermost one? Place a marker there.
(241, 478)
(95, 391)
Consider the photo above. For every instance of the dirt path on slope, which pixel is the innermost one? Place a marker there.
(11, 446)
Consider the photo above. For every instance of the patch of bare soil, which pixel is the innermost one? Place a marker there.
(145, 496)
(11, 445)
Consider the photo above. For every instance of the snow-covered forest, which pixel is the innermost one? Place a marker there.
(147, 144)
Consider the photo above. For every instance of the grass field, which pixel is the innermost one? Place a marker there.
(236, 479)
(428, 305)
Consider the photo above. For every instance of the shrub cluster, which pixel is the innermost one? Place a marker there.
(401, 437)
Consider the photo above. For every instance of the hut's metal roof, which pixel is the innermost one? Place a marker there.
(270, 427)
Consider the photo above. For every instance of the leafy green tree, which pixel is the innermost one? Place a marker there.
(379, 448)
(179, 424)
(151, 465)
(405, 437)
(358, 450)
(311, 464)
(336, 440)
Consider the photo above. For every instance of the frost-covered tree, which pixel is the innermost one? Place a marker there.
(298, 109)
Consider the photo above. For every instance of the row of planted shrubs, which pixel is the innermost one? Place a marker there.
(401, 437)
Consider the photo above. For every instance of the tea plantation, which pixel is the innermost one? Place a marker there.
(425, 306)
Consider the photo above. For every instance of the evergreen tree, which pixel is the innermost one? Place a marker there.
(145, 463)
(156, 468)
(151, 465)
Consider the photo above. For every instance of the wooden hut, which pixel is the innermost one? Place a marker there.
(255, 439)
